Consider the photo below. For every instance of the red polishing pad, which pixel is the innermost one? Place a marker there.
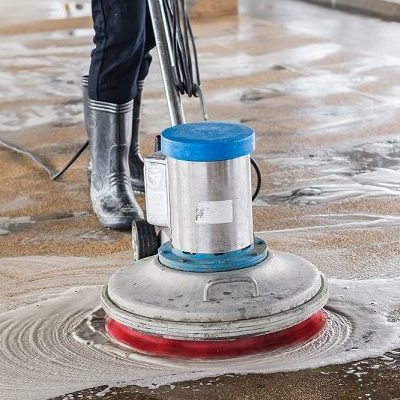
(203, 349)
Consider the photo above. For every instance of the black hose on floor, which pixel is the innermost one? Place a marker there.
(53, 175)
(71, 161)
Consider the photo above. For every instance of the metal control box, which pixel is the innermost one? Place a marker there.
(156, 184)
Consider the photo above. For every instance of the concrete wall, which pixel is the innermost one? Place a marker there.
(387, 9)
(212, 8)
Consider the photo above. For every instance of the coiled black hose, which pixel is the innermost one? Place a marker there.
(184, 52)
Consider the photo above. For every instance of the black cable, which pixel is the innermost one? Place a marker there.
(184, 52)
(70, 162)
(53, 175)
(259, 179)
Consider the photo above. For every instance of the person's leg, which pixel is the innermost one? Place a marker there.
(115, 65)
(135, 159)
(150, 43)
(120, 40)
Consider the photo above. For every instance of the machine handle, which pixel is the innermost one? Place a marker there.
(222, 281)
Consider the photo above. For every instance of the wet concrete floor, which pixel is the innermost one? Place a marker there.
(320, 88)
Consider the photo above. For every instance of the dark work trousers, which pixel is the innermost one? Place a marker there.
(123, 38)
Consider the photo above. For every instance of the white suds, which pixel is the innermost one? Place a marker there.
(57, 346)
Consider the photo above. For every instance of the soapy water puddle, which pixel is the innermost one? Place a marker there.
(58, 345)
(40, 79)
(367, 170)
(59, 115)
(14, 225)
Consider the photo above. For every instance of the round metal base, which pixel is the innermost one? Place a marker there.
(206, 349)
(276, 294)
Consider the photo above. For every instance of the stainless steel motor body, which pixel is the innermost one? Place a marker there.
(212, 213)
(212, 210)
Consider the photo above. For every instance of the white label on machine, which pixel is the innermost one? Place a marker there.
(214, 212)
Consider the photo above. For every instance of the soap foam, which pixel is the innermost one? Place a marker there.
(58, 345)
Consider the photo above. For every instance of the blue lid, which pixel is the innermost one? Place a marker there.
(207, 141)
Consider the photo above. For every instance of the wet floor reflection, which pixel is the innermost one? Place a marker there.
(369, 170)
(333, 25)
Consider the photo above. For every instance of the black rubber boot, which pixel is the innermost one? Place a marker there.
(110, 188)
(85, 100)
(136, 164)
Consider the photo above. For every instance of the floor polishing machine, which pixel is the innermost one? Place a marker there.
(210, 288)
